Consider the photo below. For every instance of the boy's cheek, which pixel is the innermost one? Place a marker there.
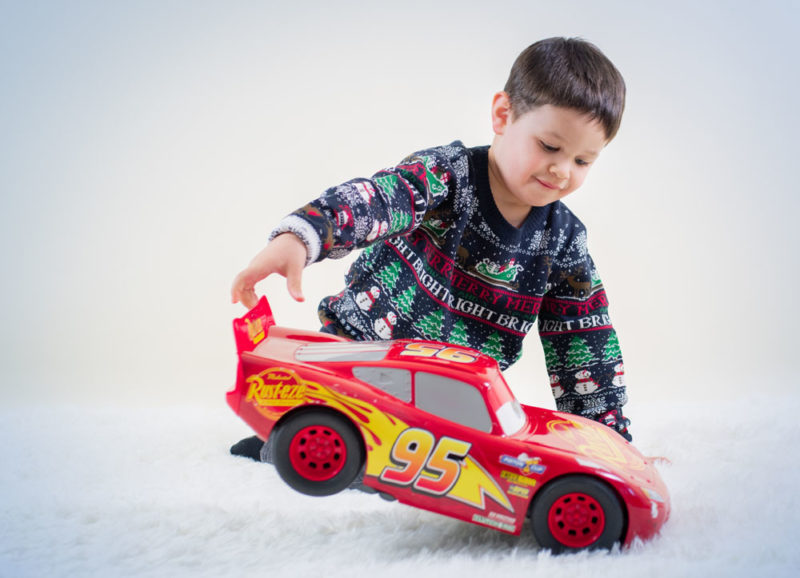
(580, 177)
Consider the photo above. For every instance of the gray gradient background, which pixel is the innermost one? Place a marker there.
(147, 148)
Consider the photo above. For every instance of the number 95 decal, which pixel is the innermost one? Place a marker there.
(433, 469)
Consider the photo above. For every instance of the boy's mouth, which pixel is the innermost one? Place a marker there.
(546, 185)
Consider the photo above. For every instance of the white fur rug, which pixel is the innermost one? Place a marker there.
(126, 492)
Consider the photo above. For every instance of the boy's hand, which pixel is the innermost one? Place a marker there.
(618, 422)
(286, 255)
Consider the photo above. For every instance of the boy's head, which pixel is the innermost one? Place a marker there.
(562, 104)
(569, 73)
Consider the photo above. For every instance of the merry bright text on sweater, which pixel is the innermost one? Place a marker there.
(462, 282)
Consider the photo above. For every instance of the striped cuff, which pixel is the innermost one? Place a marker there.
(305, 231)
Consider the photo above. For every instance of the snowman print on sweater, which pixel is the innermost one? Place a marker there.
(366, 299)
(619, 375)
(555, 385)
(365, 190)
(585, 384)
(384, 327)
(379, 229)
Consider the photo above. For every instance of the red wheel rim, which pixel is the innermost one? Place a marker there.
(576, 520)
(317, 453)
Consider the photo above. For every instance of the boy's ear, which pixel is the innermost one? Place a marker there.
(501, 112)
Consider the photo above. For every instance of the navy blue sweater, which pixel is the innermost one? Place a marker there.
(441, 262)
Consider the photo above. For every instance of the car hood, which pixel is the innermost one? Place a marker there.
(588, 443)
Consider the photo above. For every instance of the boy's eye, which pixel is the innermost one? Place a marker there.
(581, 162)
(547, 147)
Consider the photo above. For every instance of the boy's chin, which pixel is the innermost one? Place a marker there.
(541, 202)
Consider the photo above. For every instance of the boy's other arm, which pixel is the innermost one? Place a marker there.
(285, 255)
(582, 349)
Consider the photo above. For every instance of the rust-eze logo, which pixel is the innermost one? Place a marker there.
(276, 387)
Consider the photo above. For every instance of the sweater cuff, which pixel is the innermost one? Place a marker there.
(305, 231)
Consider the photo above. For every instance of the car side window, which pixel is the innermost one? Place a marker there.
(451, 399)
(394, 381)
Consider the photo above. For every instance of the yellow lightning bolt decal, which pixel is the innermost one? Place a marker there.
(596, 441)
(474, 484)
(380, 429)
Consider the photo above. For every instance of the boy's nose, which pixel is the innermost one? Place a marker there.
(558, 171)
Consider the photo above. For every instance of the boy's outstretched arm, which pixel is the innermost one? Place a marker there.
(364, 211)
(285, 255)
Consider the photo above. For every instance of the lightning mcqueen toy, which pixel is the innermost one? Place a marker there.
(435, 426)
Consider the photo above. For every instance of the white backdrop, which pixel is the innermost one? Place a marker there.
(147, 149)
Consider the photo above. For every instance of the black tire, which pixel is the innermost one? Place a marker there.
(317, 453)
(577, 513)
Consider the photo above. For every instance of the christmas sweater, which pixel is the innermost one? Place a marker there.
(440, 262)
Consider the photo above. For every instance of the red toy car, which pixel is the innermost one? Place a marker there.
(435, 426)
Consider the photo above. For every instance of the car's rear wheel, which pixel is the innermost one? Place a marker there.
(317, 453)
(577, 513)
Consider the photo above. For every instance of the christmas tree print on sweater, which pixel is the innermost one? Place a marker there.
(387, 185)
(612, 351)
(431, 325)
(579, 353)
(399, 221)
(493, 346)
(389, 275)
(551, 358)
(405, 301)
(459, 334)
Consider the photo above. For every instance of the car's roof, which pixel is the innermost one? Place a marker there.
(296, 350)
(407, 352)
(418, 355)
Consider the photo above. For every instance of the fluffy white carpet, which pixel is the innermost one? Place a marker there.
(121, 492)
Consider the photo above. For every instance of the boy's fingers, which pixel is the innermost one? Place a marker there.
(249, 298)
(243, 292)
(294, 284)
(238, 288)
(284, 255)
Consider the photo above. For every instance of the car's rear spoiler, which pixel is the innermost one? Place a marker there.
(250, 329)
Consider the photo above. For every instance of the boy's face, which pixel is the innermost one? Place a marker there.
(542, 155)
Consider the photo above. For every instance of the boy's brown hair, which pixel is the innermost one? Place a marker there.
(571, 73)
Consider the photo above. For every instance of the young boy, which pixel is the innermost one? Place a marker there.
(473, 245)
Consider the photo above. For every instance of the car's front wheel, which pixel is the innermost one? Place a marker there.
(317, 453)
(577, 513)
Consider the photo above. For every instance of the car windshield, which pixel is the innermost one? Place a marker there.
(511, 417)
